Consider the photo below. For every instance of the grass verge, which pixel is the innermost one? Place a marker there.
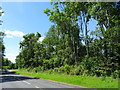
(91, 82)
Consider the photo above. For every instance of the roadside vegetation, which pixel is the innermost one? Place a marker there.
(86, 56)
(7, 64)
(70, 46)
(85, 81)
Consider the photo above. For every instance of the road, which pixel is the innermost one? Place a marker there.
(12, 80)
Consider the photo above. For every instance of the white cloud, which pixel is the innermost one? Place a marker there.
(11, 34)
(40, 39)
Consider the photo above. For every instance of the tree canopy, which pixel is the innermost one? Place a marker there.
(70, 46)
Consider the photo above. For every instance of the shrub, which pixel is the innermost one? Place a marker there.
(46, 64)
(28, 69)
(72, 72)
(56, 62)
(6, 67)
(50, 71)
(34, 70)
(56, 69)
(67, 68)
(79, 70)
(51, 63)
(91, 65)
(61, 69)
(116, 74)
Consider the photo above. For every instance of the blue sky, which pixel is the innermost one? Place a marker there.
(22, 18)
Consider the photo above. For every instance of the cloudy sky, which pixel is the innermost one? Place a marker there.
(21, 18)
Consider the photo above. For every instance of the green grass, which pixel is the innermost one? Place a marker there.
(92, 82)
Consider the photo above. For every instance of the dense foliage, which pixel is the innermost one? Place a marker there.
(2, 47)
(70, 46)
(7, 64)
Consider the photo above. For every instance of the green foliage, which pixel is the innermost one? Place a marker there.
(46, 64)
(79, 70)
(5, 67)
(85, 81)
(1, 13)
(67, 68)
(2, 48)
(70, 47)
(7, 64)
(116, 74)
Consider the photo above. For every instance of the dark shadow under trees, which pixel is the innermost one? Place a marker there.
(12, 76)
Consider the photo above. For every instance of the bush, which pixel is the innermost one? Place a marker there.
(40, 62)
(56, 69)
(51, 63)
(79, 70)
(72, 72)
(6, 67)
(61, 69)
(46, 64)
(116, 74)
(56, 62)
(50, 71)
(34, 70)
(91, 65)
(28, 69)
(67, 68)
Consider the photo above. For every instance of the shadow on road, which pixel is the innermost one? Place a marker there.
(6, 72)
(12, 76)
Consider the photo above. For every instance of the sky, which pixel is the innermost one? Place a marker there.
(21, 18)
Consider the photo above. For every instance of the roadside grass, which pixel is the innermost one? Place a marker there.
(85, 81)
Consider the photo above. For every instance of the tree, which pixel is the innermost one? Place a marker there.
(1, 13)
(2, 47)
(70, 44)
(28, 50)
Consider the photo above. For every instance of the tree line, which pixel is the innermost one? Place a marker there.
(5, 64)
(2, 47)
(70, 46)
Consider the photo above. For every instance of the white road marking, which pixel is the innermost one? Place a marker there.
(26, 82)
(36, 87)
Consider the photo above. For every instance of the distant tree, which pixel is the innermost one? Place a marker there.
(1, 13)
(2, 47)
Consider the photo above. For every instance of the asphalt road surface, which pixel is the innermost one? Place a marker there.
(12, 80)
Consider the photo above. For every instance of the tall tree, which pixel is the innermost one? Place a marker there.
(69, 42)
(27, 50)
